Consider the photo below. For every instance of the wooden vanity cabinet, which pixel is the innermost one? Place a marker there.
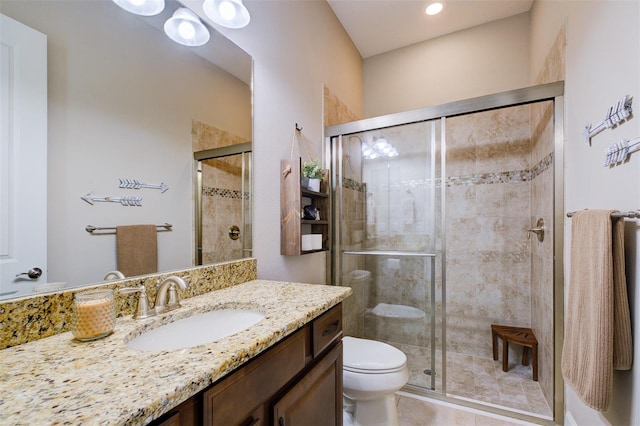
(296, 382)
(189, 413)
(240, 399)
(316, 399)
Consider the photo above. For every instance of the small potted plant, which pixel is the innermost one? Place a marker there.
(311, 175)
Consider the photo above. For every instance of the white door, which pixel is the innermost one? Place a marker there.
(23, 158)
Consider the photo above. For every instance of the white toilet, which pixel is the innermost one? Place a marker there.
(372, 372)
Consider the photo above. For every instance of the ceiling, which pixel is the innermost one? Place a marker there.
(378, 26)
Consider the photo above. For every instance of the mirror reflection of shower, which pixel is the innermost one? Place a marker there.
(223, 204)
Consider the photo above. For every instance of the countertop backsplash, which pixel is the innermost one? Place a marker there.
(31, 318)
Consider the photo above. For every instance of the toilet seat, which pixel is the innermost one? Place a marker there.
(371, 357)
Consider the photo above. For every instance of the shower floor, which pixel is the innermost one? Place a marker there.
(479, 380)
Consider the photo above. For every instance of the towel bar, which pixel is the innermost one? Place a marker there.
(91, 228)
(632, 214)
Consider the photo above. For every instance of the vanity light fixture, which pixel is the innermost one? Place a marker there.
(227, 13)
(381, 148)
(185, 27)
(434, 8)
(141, 7)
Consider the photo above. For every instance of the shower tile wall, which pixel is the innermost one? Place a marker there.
(488, 213)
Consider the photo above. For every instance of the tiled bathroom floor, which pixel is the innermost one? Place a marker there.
(416, 411)
(480, 380)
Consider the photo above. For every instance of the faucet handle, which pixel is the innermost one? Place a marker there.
(174, 300)
(142, 306)
(167, 294)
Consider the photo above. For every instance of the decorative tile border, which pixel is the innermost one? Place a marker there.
(476, 179)
(354, 185)
(224, 193)
(503, 177)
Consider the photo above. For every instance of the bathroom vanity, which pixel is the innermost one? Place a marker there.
(296, 382)
(285, 369)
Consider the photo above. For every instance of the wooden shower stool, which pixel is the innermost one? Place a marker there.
(519, 335)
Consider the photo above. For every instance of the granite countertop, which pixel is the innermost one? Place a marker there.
(58, 380)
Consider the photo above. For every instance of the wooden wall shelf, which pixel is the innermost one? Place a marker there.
(293, 197)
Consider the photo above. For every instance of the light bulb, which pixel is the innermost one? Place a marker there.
(186, 30)
(434, 8)
(141, 7)
(380, 143)
(227, 10)
(227, 13)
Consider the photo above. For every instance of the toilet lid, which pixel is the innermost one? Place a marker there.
(371, 355)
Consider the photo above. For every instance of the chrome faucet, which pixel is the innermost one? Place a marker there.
(114, 275)
(167, 295)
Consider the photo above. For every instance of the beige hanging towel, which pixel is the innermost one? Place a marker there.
(137, 249)
(597, 334)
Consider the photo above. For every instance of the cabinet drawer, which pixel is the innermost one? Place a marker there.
(237, 399)
(326, 329)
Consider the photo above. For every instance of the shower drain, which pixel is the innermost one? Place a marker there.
(429, 373)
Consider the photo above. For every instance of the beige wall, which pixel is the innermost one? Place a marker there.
(487, 59)
(602, 66)
(297, 47)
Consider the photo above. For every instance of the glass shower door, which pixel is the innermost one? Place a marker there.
(387, 195)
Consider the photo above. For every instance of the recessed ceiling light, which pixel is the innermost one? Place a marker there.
(434, 8)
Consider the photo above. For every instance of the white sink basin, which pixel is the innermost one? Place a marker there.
(196, 330)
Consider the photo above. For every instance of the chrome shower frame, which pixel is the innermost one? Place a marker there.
(553, 92)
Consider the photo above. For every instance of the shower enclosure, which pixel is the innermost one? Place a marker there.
(435, 209)
(223, 204)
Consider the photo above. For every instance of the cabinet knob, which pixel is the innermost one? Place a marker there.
(281, 421)
(251, 421)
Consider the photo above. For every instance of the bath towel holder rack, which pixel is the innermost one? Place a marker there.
(90, 228)
(632, 214)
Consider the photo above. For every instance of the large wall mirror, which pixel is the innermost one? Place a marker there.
(125, 102)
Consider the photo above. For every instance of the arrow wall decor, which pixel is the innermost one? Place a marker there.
(125, 201)
(136, 184)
